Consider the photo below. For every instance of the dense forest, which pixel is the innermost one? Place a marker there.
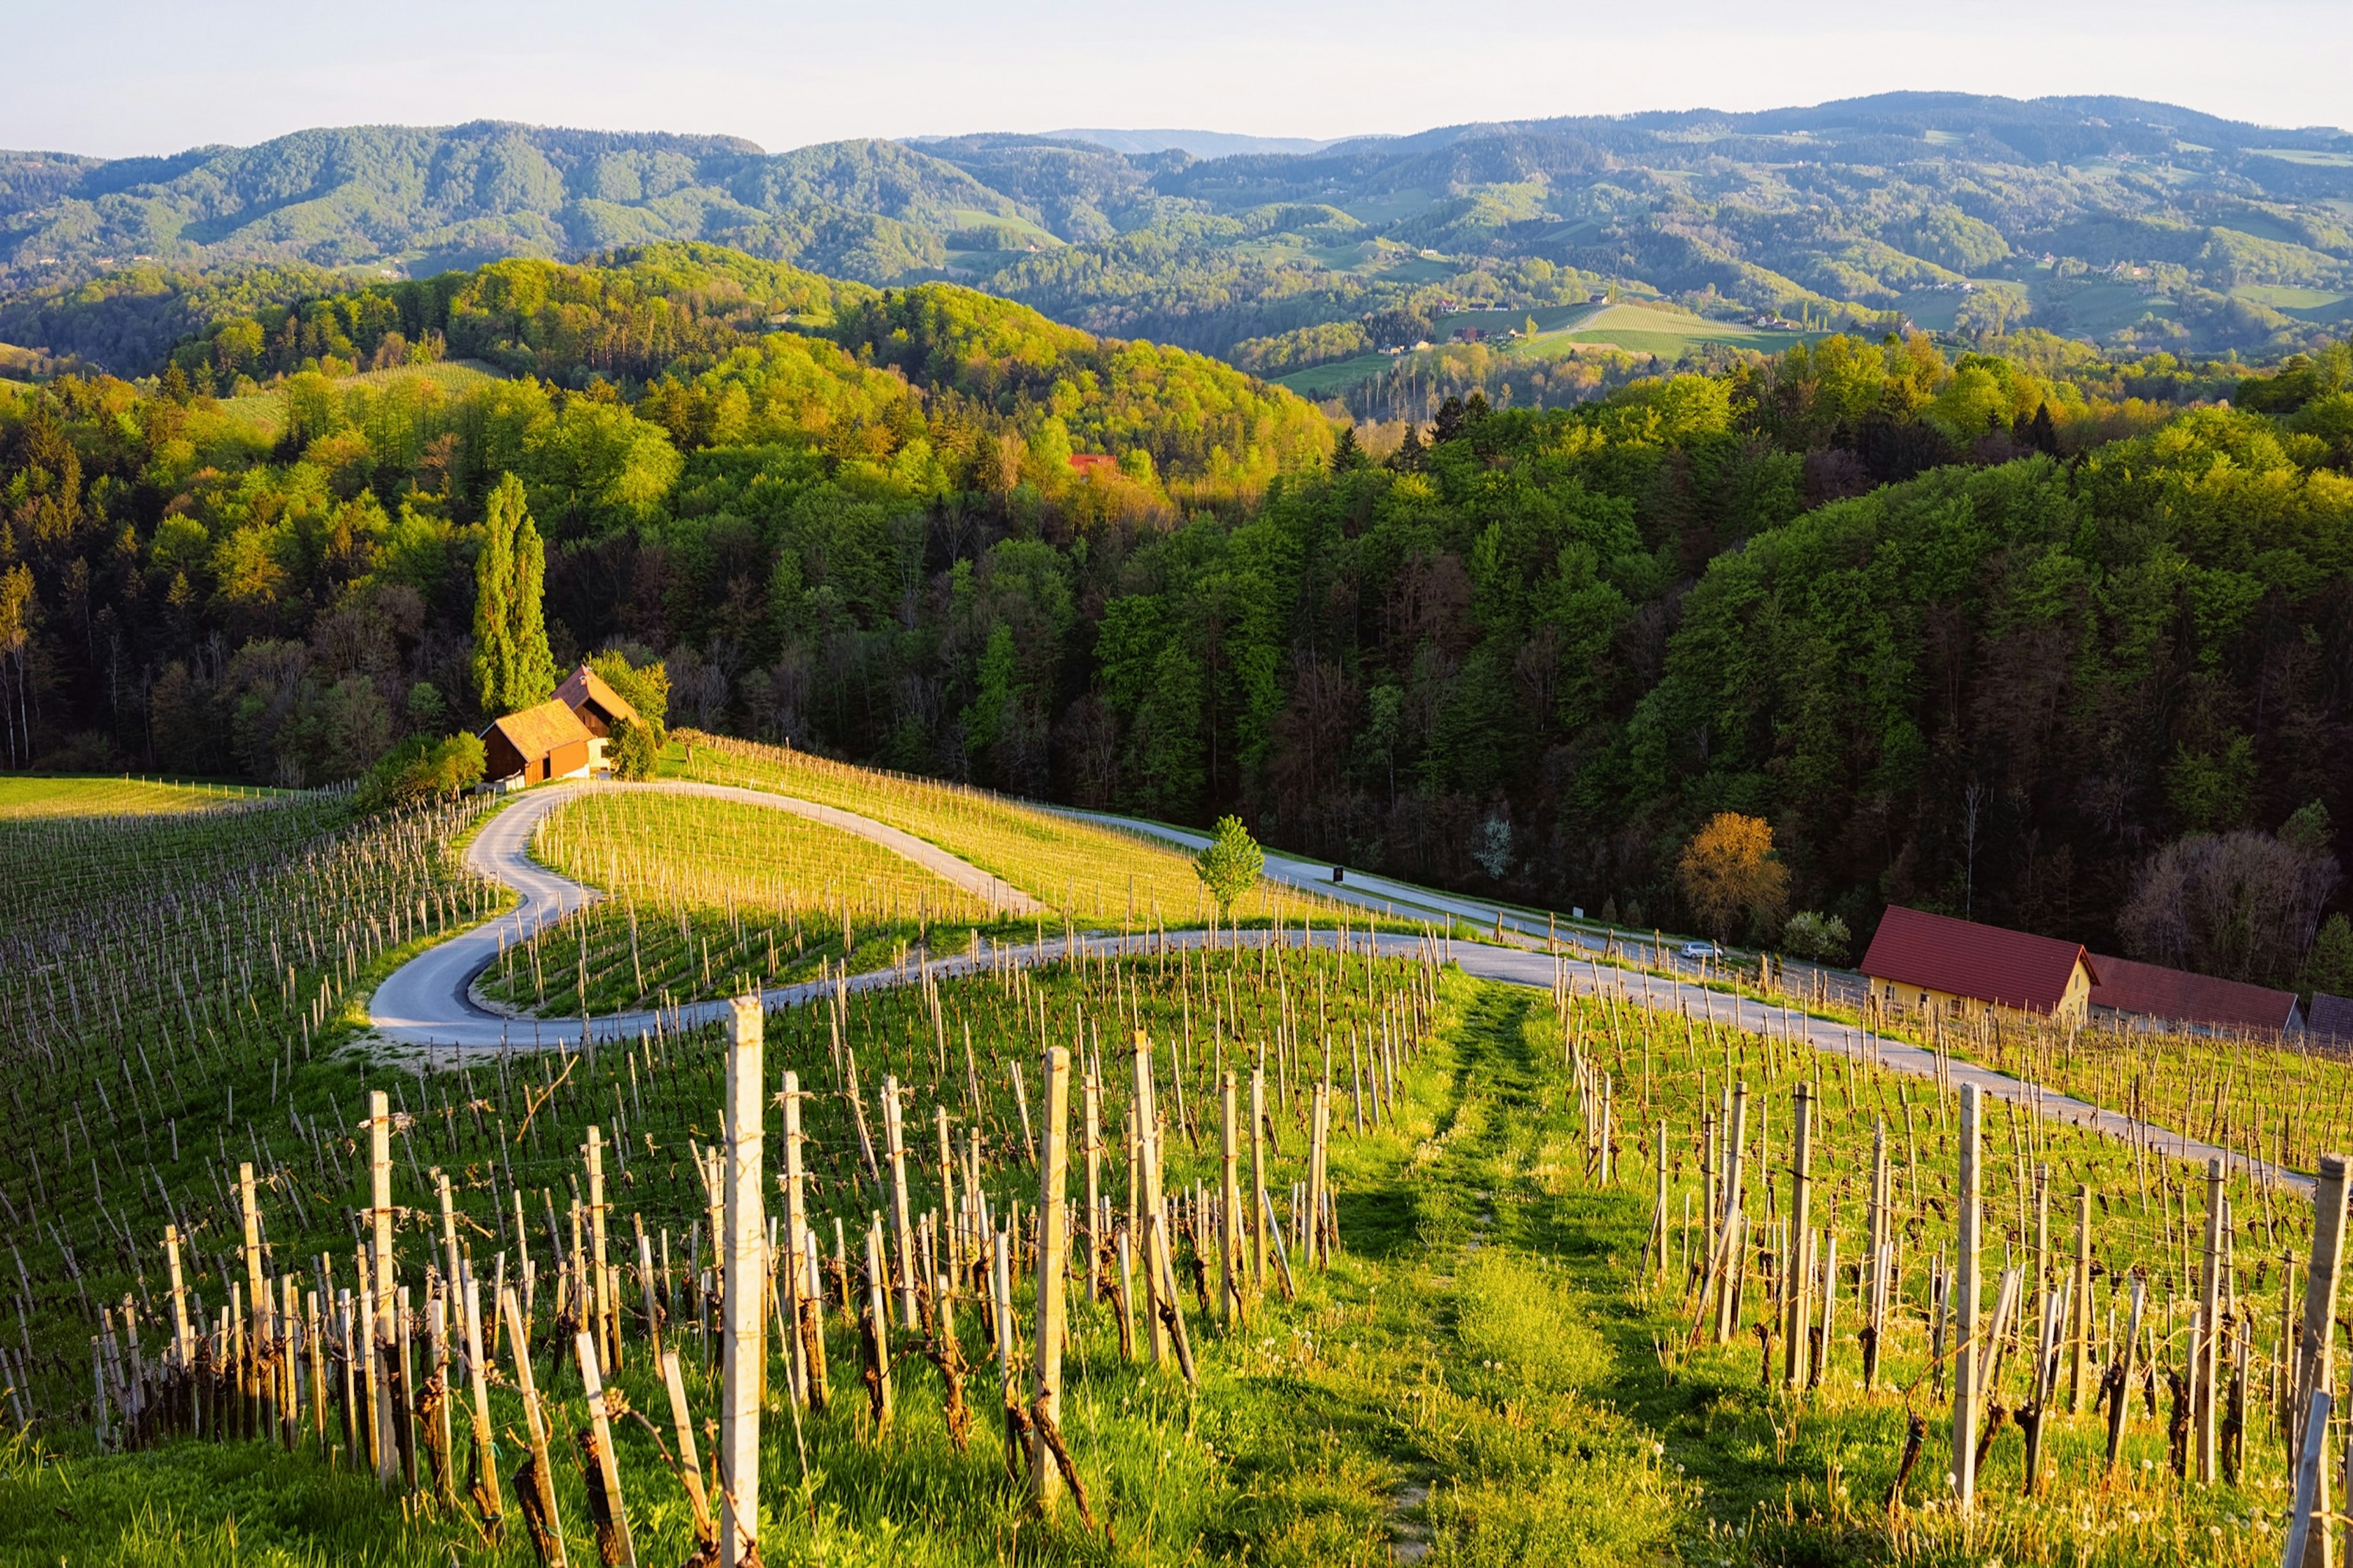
(2136, 225)
(1984, 632)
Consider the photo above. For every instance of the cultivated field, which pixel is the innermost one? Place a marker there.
(1497, 1276)
(1093, 874)
(24, 796)
(1671, 334)
(708, 898)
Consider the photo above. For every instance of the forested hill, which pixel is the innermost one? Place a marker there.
(2002, 635)
(2135, 225)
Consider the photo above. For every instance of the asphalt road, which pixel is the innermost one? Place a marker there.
(425, 1004)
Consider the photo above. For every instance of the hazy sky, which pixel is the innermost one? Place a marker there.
(157, 77)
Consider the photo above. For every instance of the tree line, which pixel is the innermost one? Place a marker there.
(1985, 633)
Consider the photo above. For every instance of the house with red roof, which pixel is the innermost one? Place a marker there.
(1924, 963)
(2203, 1002)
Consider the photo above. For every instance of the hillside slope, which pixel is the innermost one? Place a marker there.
(2135, 224)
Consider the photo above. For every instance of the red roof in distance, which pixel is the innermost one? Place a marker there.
(1962, 958)
(1088, 462)
(2176, 994)
(2331, 1016)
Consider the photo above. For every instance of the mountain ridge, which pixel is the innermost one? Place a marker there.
(2135, 224)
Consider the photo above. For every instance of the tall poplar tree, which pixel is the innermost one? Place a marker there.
(535, 666)
(513, 668)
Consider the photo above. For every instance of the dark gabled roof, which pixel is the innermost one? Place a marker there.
(2160, 993)
(1962, 958)
(585, 686)
(2330, 1016)
(537, 732)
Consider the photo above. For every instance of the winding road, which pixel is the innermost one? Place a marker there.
(426, 1004)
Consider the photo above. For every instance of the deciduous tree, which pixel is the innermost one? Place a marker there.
(1729, 869)
(1229, 865)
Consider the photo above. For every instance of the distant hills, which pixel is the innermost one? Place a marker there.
(2136, 224)
(1199, 143)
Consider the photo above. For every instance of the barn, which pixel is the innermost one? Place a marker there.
(535, 744)
(1936, 963)
(598, 708)
(2331, 1020)
(2203, 1001)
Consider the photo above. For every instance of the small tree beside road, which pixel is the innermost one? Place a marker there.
(1230, 866)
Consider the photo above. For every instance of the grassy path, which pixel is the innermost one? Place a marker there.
(1481, 1370)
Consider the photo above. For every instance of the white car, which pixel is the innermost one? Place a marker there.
(1702, 950)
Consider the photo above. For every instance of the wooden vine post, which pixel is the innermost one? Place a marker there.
(1258, 1207)
(184, 1339)
(485, 1488)
(1230, 1194)
(1797, 1305)
(1092, 1095)
(615, 1548)
(1727, 1301)
(690, 1468)
(1875, 1267)
(901, 1225)
(1967, 1197)
(745, 1245)
(2315, 1373)
(2208, 1347)
(539, 1500)
(1144, 1174)
(2079, 1304)
(1655, 1244)
(386, 1442)
(805, 1304)
(1053, 1259)
(256, 1292)
(600, 1293)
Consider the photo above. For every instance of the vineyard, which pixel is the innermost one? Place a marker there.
(1096, 876)
(709, 897)
(29, 797)
(1290, 1243)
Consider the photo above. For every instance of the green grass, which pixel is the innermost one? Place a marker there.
(1097, 876)
(22, 796)
(707, 896)
(1322, 381)
(1481, 1370)
(1933, 309)
(1421, 269)
(2306, 155)
(1492, 1368)
(2306, 304)
(1495, 324)
(2287, 297)
(1380, 210)
(265, 411)
(1013, 224)
(2093, 307)
(1671, 334)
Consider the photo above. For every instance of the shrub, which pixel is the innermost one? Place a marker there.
(632, 751)
(644, 688)
(418, 769)
(1822, 938)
